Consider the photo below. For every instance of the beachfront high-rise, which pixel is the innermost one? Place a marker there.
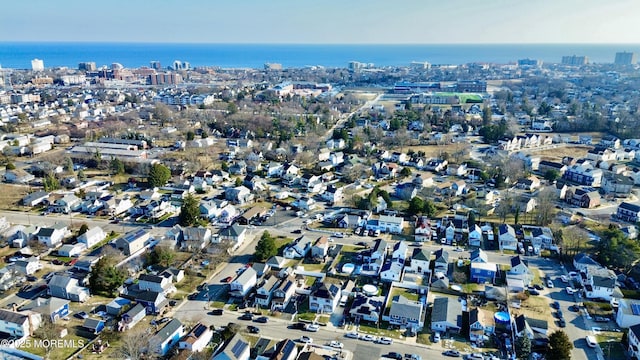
(574, 60)
(156, 65)
(37, 65)
(625, 58)
(87, 66)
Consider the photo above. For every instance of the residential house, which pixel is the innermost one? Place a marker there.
(367, 308)
(166, 338)
(92, 237)
(299, 248)
(436, 165)
(483, 272)
(540, 237)
(350, 220)
(561, 189)
(197, 339)
(507, 238)
(530, 183)
(391, 270)
(441, 261)
(617, 185)
(18, 176)
(391, 224)
(243, 283)
(478, 256)
(66, 287)
(599, 283)
(633, 338)
(333, 194)
(422, 230)
(324, 298)
(132, 242)
(475, 236)
(519, 268)
(155, 283)
(583, 262)
(277, 262)
(305, 203)
(585, 198)
(320, 248)
(132, 317)
(66, 204)
(399, 251)
(238, 168)
(117, 305)
(52, 308)
(28, 266)
(265, 291)
(235, 233)
(525, 204)
(35, 198)
(584, 174)
(283, 293)
(238, 195)
(457, 170)
(407, 313)
(93, 326)
(18, 325)
(628, 313)
(476, 327)
(195, 238)
(546, 166)
(52, 236)
(628, 212)
(379, 250)
(153, 301)
(420, 260)
(446, 315)
(252, 214)
(237, 348)
(261, 269)
(72, 250)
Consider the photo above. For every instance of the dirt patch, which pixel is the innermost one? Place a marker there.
(575, 151)
(11, 195)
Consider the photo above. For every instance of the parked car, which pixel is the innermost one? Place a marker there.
(591, 341)
(297, 326)
(217, 312)
(559, 314)
(562, 323)
(436, 337)
(537, 287)
(574, 308)
(555, 305)
(451, 353)
(336, 344)
(173, 303)
(253, 329)
(394, 355)
(352, 335)
(228, 279)
(31, 278)
(262, 320)
(570, 290)
(312, 327)
(549, 283)
(385, 341)
(534, 292)
(246, 316)
(306, 340)
(81, 315)
(368, 338)
(600, 319)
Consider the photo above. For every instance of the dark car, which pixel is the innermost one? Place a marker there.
(537, 287)
(574, 308)
(246, 316)
(559, 314)
(192, 296)
(534, 292)
(297, 231)
(31, 278)
(262, 320)
(81, 315)
(394, 355)
(57, 262)
(173, 303)
(216, 312)
(297, 326)
(555, 305)
(600, 319)
(253, 329)
(451, 353)
(562, 323)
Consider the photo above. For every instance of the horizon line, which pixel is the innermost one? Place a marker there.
(307, 44)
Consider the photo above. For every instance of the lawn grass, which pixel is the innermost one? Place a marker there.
(610, 344)
(62, 352)
(598, 309)
(379, 331)
(314, 267)
(404, 292)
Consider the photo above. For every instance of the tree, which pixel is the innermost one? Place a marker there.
(472, 219)
(132, 343)
(190, 135)
(158, 175)
(523, 347)
(81, 175)
(546, 204)
(83, 229)
(68, 165)
(405, 172)
(559, 346)
(265, 248)
(416, 205)
(162, 255)
(552, 175)
(10, 166)
(50, 183)
(105, 277)
(47, 331)
(190, 211)
(117, 166)
(486, 116)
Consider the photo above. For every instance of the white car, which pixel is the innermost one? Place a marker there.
(570, 290)
(591, 341)
(549, 283)
(385, 341)
(564, 278)
(336, 344)
(436, 337)
(352, 335)
(306, 340)
(368, 338)
(312, 327)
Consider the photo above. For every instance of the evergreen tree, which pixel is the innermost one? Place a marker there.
(158, 175)
(265, 248)
(117, 166)
(559, 346)
(83, 229)
(106, 277)
(190, 211)
(523, 347)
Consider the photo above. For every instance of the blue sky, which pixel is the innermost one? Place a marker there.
(326, 21)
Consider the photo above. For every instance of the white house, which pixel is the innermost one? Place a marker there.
(446, 315)
(197, 339)
(243, 283)
(155, 283)
(420, 260)
(92, 237)
(299, 248)
(72, 250)
(52, 236)
(325, 298)
(507, 237)
(265, 291)
(28, 266)
(520, 269)
(391, 271)
(475, 236)
(19, 325)
(628, 313)
(391, 224)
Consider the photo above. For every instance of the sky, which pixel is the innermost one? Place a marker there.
(322, 21)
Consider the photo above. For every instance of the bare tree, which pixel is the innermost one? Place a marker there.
(47, 331)
(133, 344)
(545, 207)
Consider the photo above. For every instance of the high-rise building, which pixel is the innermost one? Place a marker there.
(156, 65)
(181, 65)
(529, 62)
(37, 65)
(87, 66)
(625, 58)
(574, 60)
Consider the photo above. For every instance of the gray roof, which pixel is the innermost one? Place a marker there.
(169, 329)
(135, 311)
(420, 254)
(446, 309)
(60, 281)
(12, 317)
(405, 308)
(246, 275)
(45, 306)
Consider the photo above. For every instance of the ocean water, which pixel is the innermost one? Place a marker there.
(18, 55)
